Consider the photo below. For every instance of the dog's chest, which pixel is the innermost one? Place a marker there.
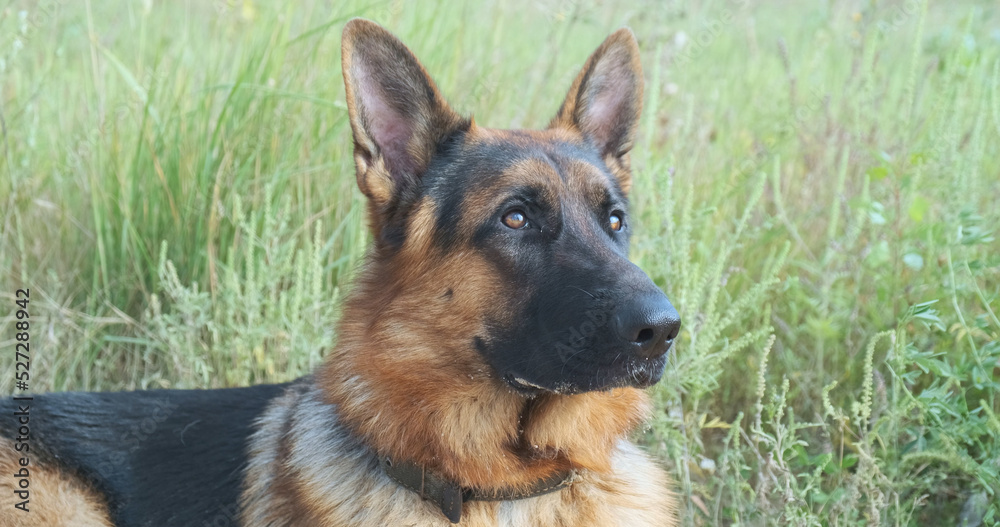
(320, 475)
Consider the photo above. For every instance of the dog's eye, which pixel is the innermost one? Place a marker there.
(615, 221)
(515, 219)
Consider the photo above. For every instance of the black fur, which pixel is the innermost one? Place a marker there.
(162, 457)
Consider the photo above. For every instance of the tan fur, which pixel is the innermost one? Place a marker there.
(57, 499)
(426, 393)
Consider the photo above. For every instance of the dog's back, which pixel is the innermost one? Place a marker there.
(161, 457)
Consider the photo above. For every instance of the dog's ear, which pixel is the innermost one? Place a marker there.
(397, 114)
(605, 100)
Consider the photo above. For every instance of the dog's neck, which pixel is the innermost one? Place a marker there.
(415, 390)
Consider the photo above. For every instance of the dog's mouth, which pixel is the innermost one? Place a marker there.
(632, 372)
(524, 386)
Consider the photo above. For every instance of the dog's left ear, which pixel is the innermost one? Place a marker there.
(605, 100)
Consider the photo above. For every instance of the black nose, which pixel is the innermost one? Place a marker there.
(649, 323)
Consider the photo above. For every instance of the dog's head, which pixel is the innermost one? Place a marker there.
(510, 246)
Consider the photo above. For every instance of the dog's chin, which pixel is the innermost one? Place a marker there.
(637, 373)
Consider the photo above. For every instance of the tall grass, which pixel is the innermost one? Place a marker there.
(817, 188)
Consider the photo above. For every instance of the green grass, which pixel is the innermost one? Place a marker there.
(818, 189)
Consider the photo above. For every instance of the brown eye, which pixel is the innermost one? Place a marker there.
(515, 219)
(615, 222)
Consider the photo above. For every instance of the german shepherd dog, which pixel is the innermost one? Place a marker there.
(491, 356)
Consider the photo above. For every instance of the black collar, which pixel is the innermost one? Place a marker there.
(449, 496)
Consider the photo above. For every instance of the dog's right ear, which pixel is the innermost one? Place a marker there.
(397, 114)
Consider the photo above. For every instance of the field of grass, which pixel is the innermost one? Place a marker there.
(818, 192)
